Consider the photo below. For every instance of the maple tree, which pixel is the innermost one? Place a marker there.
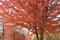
(39, 16)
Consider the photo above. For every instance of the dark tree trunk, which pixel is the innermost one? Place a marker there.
(34, 26)
(37, 36)
(41, 33)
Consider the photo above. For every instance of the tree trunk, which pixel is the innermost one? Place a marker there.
(34, 26)
(41, 33)
(37, 36)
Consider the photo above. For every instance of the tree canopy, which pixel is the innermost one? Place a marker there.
(31, 14)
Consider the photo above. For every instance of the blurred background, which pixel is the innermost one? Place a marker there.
(1, 31)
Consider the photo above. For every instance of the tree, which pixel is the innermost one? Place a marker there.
(36, 15)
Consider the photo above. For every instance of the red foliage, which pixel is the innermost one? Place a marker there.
(28, 13)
